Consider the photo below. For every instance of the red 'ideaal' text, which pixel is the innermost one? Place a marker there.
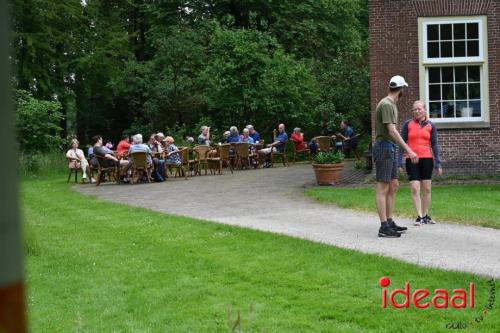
(440, 299)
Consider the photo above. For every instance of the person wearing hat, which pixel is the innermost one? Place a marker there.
(386, 159)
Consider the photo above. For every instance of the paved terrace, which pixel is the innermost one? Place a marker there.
(271, 200)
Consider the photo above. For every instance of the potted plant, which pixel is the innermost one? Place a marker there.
(328, 167)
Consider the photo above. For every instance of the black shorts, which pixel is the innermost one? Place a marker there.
(420, 171)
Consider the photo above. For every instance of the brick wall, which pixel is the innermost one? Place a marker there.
(393, 44)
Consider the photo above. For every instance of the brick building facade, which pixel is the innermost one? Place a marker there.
(449, 53)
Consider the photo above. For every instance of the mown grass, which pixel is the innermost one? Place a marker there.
(103, 267)
(463, 204)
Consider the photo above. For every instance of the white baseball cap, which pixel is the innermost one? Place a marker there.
(397, 81)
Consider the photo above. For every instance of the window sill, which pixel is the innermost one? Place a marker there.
(461, 125)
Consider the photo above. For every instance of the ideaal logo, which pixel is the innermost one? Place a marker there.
(439, 299)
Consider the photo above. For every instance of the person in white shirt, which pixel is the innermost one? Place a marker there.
(77, 158)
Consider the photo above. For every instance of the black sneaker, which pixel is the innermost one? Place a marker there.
(396, 227)
(386, 231)
(418, 222)
(428, 220)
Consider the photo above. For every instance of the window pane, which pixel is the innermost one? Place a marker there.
(447, 74)
(476, 108)
(448, 92)
(445, 31)
(472, 30)
(459, 49)
(461, 74)
(433, 32)
(473, 73)
(433, 50)
(459, 31)
(446, 50)
(472, 48)
(463, 110)
(435, 92)
(474, 91)
(461, 91)
(448, 109)
(434, 75)
(435, 110)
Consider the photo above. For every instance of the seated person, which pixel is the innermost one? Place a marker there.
(109, 158)
(77, 159)
(225, 136)
(298, 140)
(90, 154)
(155, 145)
(246, 137)
(348, 137)
(204, 137)
(123, 146)
(253, 133)
(278, 146)
(138, 146)
(172, 157)
(234, 135)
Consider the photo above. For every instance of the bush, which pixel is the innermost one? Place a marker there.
(38, 123)
(329, 158)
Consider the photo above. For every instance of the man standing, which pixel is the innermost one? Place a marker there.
(385, 157)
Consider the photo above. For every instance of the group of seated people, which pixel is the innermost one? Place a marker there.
(161, 150)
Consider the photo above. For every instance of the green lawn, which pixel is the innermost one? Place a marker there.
(101, 267)
(464, 204)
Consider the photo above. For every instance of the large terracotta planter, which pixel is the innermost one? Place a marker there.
(328, 174)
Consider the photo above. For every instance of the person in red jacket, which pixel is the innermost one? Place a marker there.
(123, 146)
(421, 135)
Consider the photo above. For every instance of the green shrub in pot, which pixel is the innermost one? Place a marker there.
(329, 157)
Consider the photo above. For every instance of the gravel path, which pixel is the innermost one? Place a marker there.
(271, 200)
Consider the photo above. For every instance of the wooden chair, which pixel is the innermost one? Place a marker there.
(324, 143)
(242, 155)
(180, 170)
(346, 149)
(301, 151)
(201, 158)
(140, 166)
(277, 154)
(73, 170)
(223, 159)
(112, 171)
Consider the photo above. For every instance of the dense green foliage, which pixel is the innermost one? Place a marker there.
(38, 123)
(144, 66)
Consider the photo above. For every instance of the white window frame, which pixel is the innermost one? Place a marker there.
(481, 60)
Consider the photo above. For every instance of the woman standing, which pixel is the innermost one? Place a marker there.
(421, 135)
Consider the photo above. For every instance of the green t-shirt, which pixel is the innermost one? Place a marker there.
(387, 113)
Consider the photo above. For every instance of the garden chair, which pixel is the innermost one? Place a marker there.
(74, 167)
(140, 166)
(201, 158)
(301, 151)
(112, 171)
(242, 155)
(324, 143)
(282, 155)
(185, 163)
(223, 159)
